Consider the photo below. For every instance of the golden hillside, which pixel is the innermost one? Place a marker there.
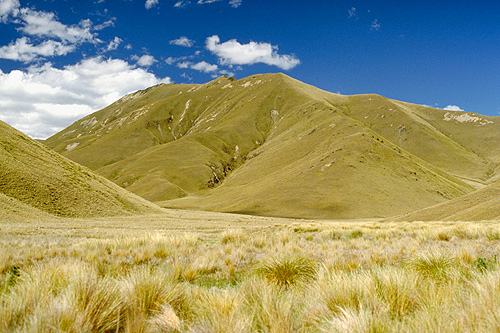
(271, 145)
(36, 181)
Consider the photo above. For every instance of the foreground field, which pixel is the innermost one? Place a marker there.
(206, 272)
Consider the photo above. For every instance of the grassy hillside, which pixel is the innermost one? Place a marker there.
(35, 181)
(483, 204)
(269, 144)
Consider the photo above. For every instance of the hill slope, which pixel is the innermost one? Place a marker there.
(272, 145)
(483, 204)
(35, 180)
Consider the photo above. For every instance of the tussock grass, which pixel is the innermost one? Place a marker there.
(435, 265)
(286, 271)
(270, 276)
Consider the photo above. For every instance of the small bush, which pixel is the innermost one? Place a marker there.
(288, 271)
(485, 264)
(433, 265)
(356, 234)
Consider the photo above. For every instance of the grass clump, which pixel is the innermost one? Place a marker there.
(433, 265)
(288, 271)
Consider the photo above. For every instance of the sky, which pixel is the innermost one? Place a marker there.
(61, 60)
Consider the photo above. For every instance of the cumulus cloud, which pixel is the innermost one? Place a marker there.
(204, 67)
(45, 24)
(151, 3)
(182, 41)
(225, 72)
(201, 66)
(8, 8)
(453, 108)
(234, 53)
(113, 45)
(145, 60)
(184, 65)
(23, 50)
(54, 98)
(58, 38)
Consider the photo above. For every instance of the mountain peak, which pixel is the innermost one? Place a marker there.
(269, 144)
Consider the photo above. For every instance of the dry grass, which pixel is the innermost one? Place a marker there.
(204, 272)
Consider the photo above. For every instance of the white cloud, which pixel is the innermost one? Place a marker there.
(170, 60)
(44, 24)
(235, 3)
(145, 60)
(182, 3)
(234, 53)
(104, 25)
(453, 108)
(204, 67)
(184, 64)
(23, 50)
(113, 45)
(58, 38)
(151, 3)
(182, 41)
(375, 25)
(352, 12)
(201, 66)
(8, 8)
(43, 100)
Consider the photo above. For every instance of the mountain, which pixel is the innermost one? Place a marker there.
(35, 181)
(483, 204)
(271, 145)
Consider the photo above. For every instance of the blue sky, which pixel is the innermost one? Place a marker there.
(63, 59)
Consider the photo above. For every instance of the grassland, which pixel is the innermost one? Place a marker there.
(188, 271)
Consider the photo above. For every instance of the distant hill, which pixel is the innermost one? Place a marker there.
(271, 145)
(483, 204)
(35, 181)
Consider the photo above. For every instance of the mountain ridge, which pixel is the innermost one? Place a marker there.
(272, 145)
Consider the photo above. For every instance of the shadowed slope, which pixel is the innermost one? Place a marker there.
(34, 176)
(483, 204)
(272, 145)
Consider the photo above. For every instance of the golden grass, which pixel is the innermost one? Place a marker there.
(202, 272)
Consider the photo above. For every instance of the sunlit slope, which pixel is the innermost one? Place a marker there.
(34, 178)
(272, 145)
(314, 174)
(483, 204)
(457, 142)
(120, 130)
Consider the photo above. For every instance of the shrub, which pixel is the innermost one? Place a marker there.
(287, 271)
(433, 265)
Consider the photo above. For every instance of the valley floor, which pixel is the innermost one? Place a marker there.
(208, 272)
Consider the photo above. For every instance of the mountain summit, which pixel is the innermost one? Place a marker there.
(271, 145)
